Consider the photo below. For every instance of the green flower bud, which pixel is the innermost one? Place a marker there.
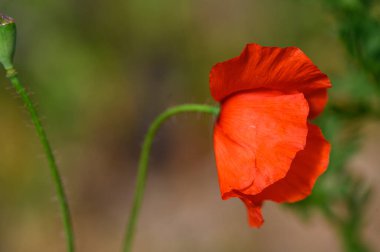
(7, 41)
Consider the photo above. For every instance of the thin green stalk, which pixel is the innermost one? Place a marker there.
(144, 160)
(12, 76)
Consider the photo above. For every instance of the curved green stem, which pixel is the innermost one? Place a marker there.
(12, 76)
(144, 160)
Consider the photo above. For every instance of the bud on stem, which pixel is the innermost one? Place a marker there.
(7, 41)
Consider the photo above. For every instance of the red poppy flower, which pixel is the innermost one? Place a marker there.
(265, 148)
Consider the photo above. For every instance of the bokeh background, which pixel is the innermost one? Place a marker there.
(99, 72)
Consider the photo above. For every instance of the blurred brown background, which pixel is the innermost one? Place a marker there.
(99, 72)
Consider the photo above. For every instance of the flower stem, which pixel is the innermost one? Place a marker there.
(13, 78)
(144, 160)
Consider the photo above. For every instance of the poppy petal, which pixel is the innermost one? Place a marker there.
(255, 217)
(317, 100)
(307, 166)
(235, 162)
(284, 69)
(256, 138)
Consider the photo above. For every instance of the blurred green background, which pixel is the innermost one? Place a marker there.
(99, 72)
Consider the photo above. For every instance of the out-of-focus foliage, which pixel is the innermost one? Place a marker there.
(355, 98)
(359, 29)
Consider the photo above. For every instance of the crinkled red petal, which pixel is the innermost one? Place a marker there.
(307, 166)
(255, 217)
(284, 69)
(256, 138)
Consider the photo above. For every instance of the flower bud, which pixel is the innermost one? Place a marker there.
(7, 41)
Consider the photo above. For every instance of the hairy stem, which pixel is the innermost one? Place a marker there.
(144, 160)
(13, 78)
